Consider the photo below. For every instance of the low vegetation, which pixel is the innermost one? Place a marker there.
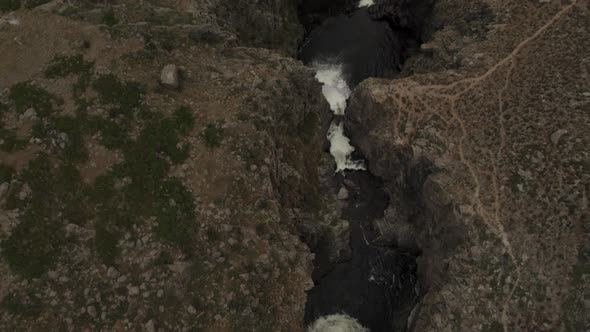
(51, 193)
(212, 134)
(9, 5)
(26, 95)
(62, 66)
(109, 18)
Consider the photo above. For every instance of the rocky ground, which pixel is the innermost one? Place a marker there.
(131, 205)
(483, 145)
(128, 204)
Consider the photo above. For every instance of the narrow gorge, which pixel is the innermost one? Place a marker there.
(373, 285)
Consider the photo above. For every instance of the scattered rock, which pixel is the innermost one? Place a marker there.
(169, 77)
(61, 140)
(150, 326)
(179, 267)
(113, 273)
(133, 290)
(25, 192)
(342, 194)
(91, 311)
(49, 7)
(52, 275)
(29, 114)
(191, 310)
(556, 136)
(9, 20)
(3, 189)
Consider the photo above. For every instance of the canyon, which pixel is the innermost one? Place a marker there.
(215, 204)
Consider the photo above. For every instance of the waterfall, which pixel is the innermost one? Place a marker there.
(336, 91)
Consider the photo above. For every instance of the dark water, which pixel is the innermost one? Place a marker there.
(376, 286)
(365, 47)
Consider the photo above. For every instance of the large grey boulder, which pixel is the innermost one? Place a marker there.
(169, 77)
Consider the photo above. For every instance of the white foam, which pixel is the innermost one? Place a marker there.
(341, 149)
(335, 89)
(336, 323)
(366, 3)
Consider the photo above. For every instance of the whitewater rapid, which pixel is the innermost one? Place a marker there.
(366, 3)
(336, 91)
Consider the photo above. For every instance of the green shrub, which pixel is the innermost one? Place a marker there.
(127, 96)
(26, 95)
(62, 66)
(184, 119)
(30, 4)
(16, 304)
(33, 245)
(163, 259)
(75, 149)
(212, 134)
(9, 5)
(57, 197)
(175, 213)
(105, 242)
(10, 142)
(108, 18)
(6, 173)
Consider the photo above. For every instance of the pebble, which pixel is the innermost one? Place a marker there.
(113, 273)
(179, 267)
(3, 189)
(343, 194)
(29, 114)
(52, 275)
(24, 193)
(556, 136)
(91, 311)
(150, 326)
(133, 290)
